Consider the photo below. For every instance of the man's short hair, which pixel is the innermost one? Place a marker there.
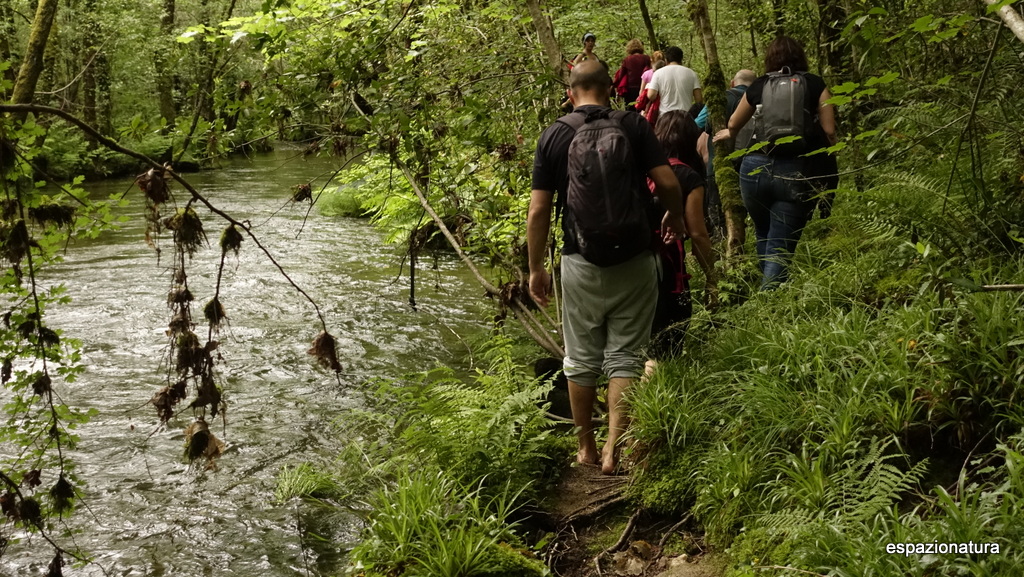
(590, 75)
(674, 54)
(744, 78)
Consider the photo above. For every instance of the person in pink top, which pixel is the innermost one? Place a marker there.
(657, 61)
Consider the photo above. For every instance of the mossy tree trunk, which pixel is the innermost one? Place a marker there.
(6, 35)
(32, 64)
(714, 98)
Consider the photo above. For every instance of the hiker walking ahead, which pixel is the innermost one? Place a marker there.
(676, 86)
(596, 160)
(773, 180)
(589, 41)
(628, 78)
(678, 134)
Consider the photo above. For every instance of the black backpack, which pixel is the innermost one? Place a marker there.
(784, 119)
(608, 215)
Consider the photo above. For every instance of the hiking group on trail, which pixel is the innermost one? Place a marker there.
(628, 189)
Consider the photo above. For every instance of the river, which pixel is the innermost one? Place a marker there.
(145, 511)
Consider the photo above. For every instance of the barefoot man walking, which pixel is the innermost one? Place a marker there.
(594, 157)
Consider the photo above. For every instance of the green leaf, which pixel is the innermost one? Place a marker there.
(998, 6)
(839, 100)
(888, 78)
(845, 88)
(925, 23)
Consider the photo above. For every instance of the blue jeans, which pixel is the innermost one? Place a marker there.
(778, 199)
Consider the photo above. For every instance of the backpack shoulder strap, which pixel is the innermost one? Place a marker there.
(573, 120)
(673, 161)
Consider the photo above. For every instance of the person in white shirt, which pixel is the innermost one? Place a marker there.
(676, 85)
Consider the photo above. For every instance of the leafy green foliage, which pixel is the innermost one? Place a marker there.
(438, 484)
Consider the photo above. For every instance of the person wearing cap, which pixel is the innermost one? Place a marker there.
(589, 40)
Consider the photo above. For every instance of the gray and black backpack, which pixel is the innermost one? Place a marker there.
(608, 211)
(784, 119)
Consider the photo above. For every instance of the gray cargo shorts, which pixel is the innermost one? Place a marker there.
(606, 317)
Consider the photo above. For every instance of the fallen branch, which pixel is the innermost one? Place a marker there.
(668, 534)
(784, 568)
(411, 178)
(626, 533)
(1002, 287)
(549, 343)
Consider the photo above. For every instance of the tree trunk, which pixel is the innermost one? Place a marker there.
(32, 65)
(831, 17)
(1011, 18)
(104, 103)
(542, 24)
(714, 98)
(6, 34)
(161, 61)
(651, 36)
(778, 11)
(90, 42)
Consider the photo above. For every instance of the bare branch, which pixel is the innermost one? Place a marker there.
(111, 144)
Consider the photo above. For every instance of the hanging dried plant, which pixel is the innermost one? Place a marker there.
(191, 356)
(200, 442)
(164, 407)
(214, 313)
(153, 184)
(208, 395)
(188, 230)
(179, 324)
(42, 385)
(325, 350)
(302, 192)
(63, 495)
(57, 214)
(48, 337)
(15, 242)
(230, 239)
(179, 295)
(30, 512)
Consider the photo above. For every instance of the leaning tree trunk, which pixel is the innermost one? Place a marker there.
(714, 97)
(32, 65)
(542, 23)
(649, 24)
(1011, 18)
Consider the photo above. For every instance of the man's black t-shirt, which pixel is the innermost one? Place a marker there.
(551, 161)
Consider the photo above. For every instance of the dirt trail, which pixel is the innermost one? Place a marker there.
(599, 534)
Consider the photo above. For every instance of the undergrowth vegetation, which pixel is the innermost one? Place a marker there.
(437, 468)
(873, 400)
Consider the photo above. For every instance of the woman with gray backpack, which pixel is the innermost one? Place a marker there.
(790, 119)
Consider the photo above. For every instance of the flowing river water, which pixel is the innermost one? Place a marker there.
(145, 511)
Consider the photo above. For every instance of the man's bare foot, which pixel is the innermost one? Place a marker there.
(609, 460)
(585, 457)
